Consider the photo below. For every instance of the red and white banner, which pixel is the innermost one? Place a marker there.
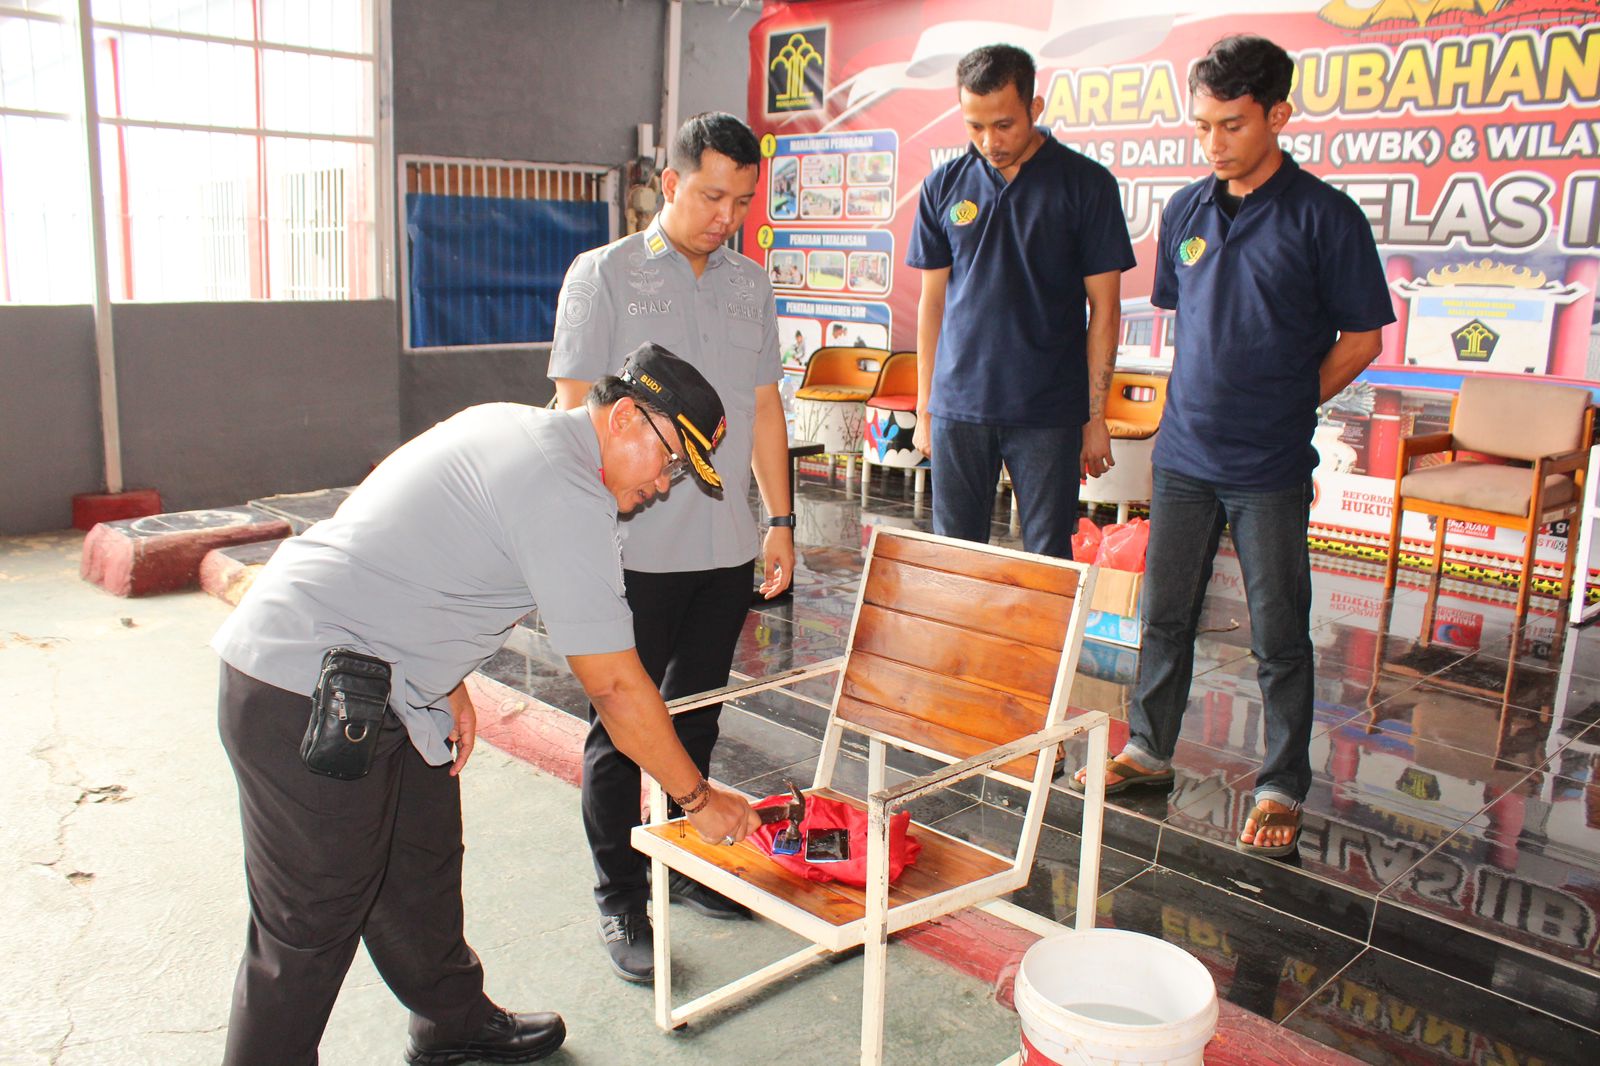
(1467, 130)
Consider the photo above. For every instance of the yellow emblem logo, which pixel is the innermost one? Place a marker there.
(964, 213)
(1190, 251)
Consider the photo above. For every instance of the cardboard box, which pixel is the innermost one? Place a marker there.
(1114, 610)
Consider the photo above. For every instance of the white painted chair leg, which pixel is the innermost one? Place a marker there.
(876, 946)
(1122, 512)
(660, 919)
(921, 481)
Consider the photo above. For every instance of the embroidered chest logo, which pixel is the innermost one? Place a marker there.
(743, 304)
(644, 276)
(963, 214)
(1190, 251)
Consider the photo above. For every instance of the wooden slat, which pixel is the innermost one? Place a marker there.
(990, 661)
(926, 734)
(958, 559)
(1023, 614)
(990, 716)
(944, 863)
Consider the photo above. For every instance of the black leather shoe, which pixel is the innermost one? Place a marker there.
(505, 1037)
(700, 898)
(631, 944)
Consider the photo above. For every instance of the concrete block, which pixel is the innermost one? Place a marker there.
(89, 509)
(227, 573)
(162, 553)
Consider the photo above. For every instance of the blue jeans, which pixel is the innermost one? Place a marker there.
(1269, 535)
(1043, 462)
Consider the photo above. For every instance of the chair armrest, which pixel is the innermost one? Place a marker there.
(756, 684)
(1566, 462)
(960, 771)
(1425, 444)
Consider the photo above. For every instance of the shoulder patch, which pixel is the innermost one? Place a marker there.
(656, 243)
(577, 303)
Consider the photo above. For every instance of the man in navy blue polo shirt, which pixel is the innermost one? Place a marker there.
(1280, 296)
(1011, 239)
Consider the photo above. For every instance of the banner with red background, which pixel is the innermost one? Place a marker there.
(1467, 131)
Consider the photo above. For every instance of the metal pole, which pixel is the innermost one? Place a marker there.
(104, 346)
(671, 77)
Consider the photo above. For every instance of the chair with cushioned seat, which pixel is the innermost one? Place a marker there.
(1133, 415)
(1502, 421)
(891, 419)
(830, 405)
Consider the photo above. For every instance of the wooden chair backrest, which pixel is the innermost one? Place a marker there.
(956, 649)
(898, 376)
(857, 367)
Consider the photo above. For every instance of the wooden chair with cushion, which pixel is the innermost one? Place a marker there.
(1547, 427)
(1133, 415)
(830, 405)
(891, 419)
(964, 653)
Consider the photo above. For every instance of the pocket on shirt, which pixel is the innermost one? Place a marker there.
(745, 335)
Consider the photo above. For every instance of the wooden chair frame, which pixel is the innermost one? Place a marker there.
(868, 917)
(1575, 463)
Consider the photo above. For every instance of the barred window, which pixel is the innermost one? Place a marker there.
(238, 147)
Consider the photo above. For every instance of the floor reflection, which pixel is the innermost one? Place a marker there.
(1445, 902)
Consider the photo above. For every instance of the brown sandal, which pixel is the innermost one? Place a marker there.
(1132, 777)
(1265, 819)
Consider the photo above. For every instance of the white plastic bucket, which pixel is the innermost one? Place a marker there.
(1107, 997)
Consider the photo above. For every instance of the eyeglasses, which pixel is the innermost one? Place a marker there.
(676, 465)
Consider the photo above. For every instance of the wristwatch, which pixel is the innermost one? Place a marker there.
(781, 520)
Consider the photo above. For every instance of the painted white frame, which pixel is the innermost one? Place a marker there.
(881, 919)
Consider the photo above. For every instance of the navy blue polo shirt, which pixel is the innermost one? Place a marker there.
(1012, 345)
(1260, 298)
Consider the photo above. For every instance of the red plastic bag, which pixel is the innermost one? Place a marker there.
(823, 813)
(1085, 542)
(1123, 546)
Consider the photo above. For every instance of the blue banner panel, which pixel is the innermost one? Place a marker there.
(488, 270)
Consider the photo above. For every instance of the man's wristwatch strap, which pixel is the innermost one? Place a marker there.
(786, 520)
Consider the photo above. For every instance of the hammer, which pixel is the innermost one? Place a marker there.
(794, 812)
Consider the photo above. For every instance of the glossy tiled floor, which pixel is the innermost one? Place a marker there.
(1445, 902)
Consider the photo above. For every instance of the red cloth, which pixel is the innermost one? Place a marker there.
(823, 813)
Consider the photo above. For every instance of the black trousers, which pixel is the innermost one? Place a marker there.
(329, 863)
(686, 626)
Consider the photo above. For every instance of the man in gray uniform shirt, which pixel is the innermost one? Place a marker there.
(689, 557)
(427, 566)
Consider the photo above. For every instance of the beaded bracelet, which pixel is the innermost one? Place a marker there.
(695, 801)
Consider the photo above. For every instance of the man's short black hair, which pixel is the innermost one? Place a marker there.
(994, 66)
(608, 389)
(717, 131)
(1244, 65)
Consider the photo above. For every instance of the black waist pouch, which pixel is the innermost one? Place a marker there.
(347, 709)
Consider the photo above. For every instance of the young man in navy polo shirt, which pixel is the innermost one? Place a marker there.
(1280, 296)
(1011, 239)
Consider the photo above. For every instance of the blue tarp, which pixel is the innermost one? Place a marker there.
(486, 270)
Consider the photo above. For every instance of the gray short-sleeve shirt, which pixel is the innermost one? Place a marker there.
(434, 558)
(639, 289)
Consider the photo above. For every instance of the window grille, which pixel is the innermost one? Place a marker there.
(488, 242)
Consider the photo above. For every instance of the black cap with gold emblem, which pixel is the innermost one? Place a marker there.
(677, 389)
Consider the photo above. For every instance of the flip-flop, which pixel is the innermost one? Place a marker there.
(1265, 819)
(1132, 777)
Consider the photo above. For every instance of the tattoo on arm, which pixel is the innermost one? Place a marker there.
(1098, 393)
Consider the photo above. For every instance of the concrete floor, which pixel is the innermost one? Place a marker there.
(124, 888)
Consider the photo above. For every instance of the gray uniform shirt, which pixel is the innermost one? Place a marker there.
(639, 289)
(434, 558)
